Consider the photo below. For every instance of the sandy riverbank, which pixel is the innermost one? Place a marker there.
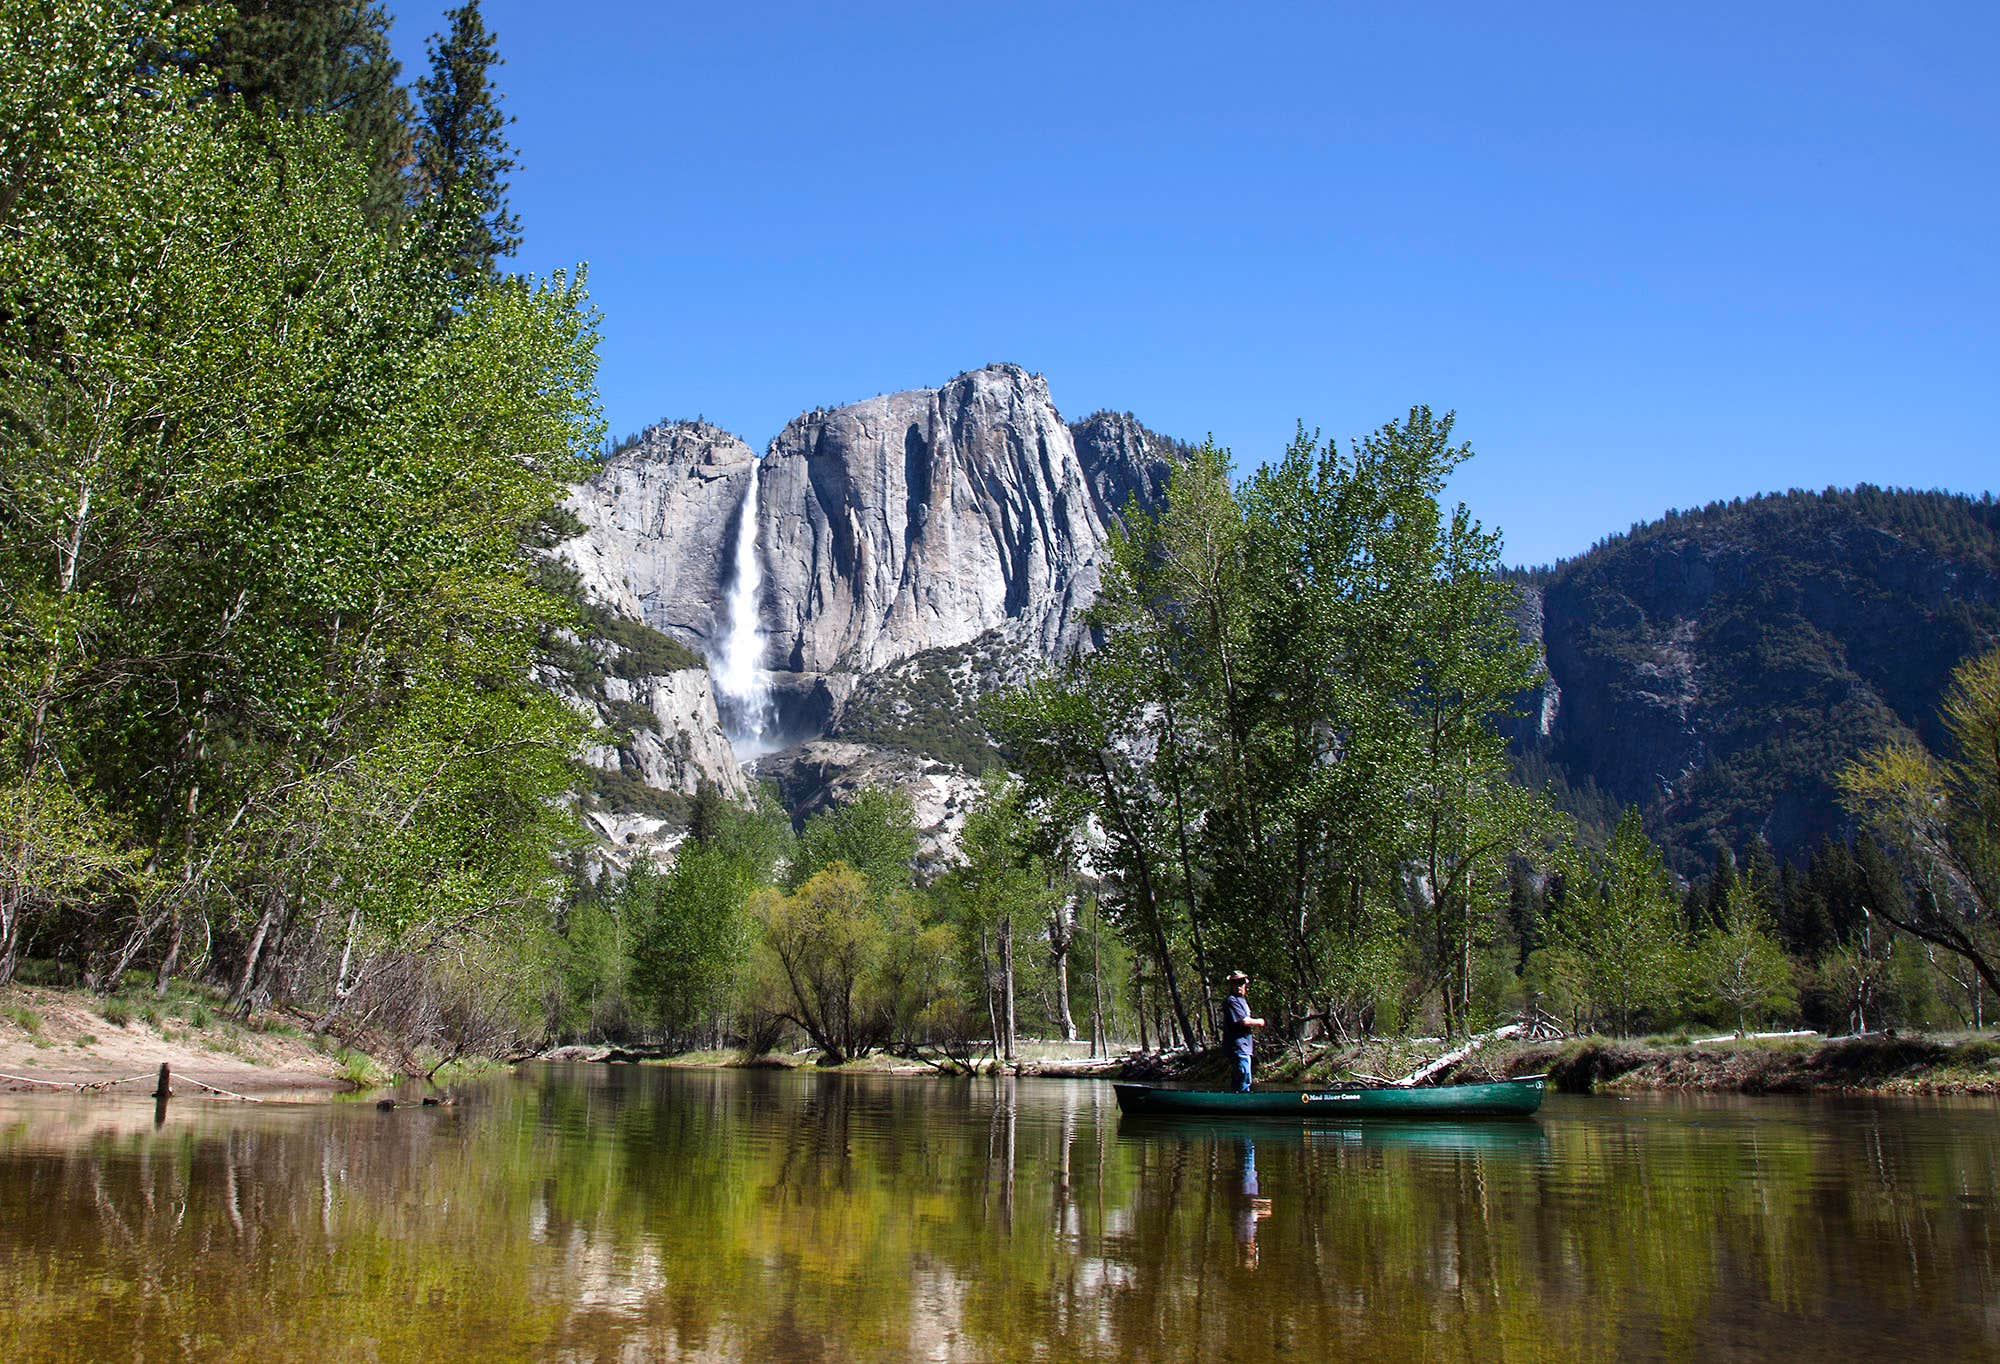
(53, 1040)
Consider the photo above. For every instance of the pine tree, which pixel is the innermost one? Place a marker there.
(301, 57)
(463, 158)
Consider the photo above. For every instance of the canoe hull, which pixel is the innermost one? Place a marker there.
(1502, 1098)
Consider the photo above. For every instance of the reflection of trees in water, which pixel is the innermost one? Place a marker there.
(776, 1216)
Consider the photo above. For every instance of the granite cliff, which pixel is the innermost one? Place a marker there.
(968, 520)
(1716, 667)
(1713, 668)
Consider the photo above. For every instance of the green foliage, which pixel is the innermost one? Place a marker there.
(1940, 812)
(265, 484)
(1614, 946)
(317, 59)
(1289, 735)
(689, 936)
(826, 944)
(622, 790)
(873, 835)
(1000, 892)
(638, 650)
(1738, 966)
(590, 975)
(359, 1070)
(631, 717)
(928, 705)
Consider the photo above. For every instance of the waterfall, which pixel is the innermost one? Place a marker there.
(740, 680)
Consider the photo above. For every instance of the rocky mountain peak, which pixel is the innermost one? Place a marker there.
(924, 518)
(657, 516)
(1124, 461)
(898, 526)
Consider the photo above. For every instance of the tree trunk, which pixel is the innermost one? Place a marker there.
(1148, 893)
(992, 1010)
(1099, 1042)
(171, 958)
(1139, 1008)
(239, 998)
(1064, 1023)
(1207, 1014)
(11, 901)
(1007, 978)
(1062, 935)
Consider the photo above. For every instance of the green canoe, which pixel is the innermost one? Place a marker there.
(1499, 1136)
(1502, 1098)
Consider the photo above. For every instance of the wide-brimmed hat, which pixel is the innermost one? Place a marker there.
(1234, 977)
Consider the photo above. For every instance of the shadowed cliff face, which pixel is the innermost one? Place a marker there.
(1717, 668)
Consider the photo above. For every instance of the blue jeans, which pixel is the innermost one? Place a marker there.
(1242, 1072)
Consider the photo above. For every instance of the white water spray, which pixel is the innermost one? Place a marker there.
(740, 678)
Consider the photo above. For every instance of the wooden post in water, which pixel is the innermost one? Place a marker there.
(166, 1088)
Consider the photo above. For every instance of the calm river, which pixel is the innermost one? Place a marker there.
(626, 1213)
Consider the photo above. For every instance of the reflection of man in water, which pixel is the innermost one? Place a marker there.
(1252, 1210)
(1238, 1026)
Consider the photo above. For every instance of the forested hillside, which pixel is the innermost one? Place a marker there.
(1716, 667)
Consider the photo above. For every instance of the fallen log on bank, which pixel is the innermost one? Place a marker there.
(1452, 1058)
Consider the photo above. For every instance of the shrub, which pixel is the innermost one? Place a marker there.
(116, 1012)
(358, 1070)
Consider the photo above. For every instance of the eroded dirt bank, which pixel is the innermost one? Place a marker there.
(52, 1040)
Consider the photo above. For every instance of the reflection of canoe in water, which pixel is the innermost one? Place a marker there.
(1520, 1135)
(1502, 1098)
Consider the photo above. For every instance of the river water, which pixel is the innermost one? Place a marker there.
(633, 1213)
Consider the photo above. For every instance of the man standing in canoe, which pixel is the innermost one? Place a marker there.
(1238, 1027)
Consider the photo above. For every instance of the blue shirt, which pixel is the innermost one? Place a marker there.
(1235, 1027)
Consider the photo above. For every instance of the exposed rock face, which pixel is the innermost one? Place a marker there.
(682, 745)
(660, 518)
(922, 519)
(914, 521)
(1715, 669)
(1124, 461)
(819, 773)
(904, 525)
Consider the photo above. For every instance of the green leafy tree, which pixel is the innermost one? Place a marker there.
(874, 834)
(998, 885)
(1941, 814)
(826, 945)
(1616, 931)
(1739, 965)
(1294, 704)
(261, 529)
(690, 937)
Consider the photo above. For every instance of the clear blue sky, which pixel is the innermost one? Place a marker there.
(1652, 255)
